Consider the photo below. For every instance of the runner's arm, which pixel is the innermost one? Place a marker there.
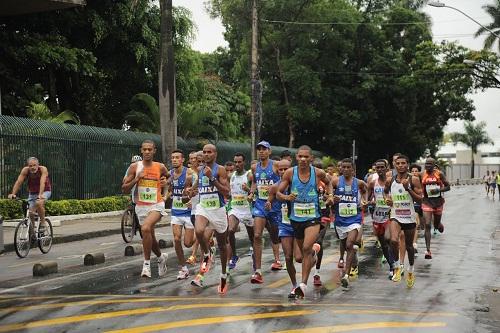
(19, 182)
(416, 189)
(253, 185)
(284, 184)
(446, 183)
(130, 179)
(221, 183)
(364, 192)
(325, 178)
(164, 173)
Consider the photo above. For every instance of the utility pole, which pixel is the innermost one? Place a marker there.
(254, 78)
(354, 157)
(166, 83)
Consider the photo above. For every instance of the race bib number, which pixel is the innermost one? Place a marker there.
(380, 203)
(306, 210)
(381, 214)
(402, 212)
(433, 190)
(210, 201)
(148, 191)
(348, 209)
(322, 204)
(284, 214)
(405, 197)
(239, 201)
(263, 192)
(177, 203)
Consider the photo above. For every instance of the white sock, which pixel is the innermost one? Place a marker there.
(147, 262)
(410, 270)
(316, 271)
(184, 268)
(223, 275)
(258, 271)
(207, 254)
(396, 264)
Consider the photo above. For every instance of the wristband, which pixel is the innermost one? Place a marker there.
(213, 179)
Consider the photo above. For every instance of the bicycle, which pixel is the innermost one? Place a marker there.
(130, 224)
(28, 232)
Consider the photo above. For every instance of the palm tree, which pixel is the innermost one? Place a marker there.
(494, 11)
(41, 111)
(474, 136)
(144, 115)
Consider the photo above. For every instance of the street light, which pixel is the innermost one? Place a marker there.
(439, 4)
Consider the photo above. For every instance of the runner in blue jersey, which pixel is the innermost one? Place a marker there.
(211, 214)
(350, 198)
(180, 180)
(265, 174)
(302, 184)
(286, 233)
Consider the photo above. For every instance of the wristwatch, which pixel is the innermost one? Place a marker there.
(212, 179)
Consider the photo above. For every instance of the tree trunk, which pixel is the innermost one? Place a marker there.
(166, 84)
(291, 127)
(472, 165)
(52, 100)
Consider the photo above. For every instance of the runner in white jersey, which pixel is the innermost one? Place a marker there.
(240, 210)
(381, 212)
(195, 159)
(401, 191)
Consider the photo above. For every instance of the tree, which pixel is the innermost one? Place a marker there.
(144, 115)
(494, 12)
(41, 111)
(474, 136)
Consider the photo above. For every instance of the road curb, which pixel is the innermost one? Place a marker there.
(133, 250)
(44, 268)
(164, 244)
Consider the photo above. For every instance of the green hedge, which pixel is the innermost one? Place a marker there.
(11, 209)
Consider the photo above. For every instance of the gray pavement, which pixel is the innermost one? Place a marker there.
(456, 291)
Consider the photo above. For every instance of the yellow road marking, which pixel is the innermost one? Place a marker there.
(108, 301)
(404, 313)
(212, 320)
(114, 314)
(283, 281)
(365, 326)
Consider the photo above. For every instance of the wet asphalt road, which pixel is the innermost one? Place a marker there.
(453, 291)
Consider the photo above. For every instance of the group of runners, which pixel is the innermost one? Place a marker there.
(295, 204)
(491, 181)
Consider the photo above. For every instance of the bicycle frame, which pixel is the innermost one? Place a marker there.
(31, 217)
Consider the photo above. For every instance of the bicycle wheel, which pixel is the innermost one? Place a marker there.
(22, 242)
(127, 225)
(45, 237)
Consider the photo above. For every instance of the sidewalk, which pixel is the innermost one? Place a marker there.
(77, 229)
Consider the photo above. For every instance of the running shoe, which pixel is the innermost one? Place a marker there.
(162, 264)
(410, 280)
(146, 271)
(222, 287)
(354, 271)
(300, 291)
(292, 295)
(435, 231)
(428, 255)
(402, 266)
(377, 245)
(317, 280)
(345, 281)
(257, 278)
(391, 274)
(397, 274)
(341, 263)
(440, 228)
(233, 261)
(276, 266)
(191, 260)
(198, 281)
(383, 260)
(183, 274)
(206, 264)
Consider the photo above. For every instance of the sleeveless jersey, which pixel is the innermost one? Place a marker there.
(305, 207)
(34, 182)
(347, 210)
(265, 178)
(148, 188)
(208, 194)
(403, 209)
(239, 200)
(382, 210)
(179, 208)
(432, 182)
(194, 200)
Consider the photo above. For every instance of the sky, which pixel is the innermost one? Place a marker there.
(448, 24)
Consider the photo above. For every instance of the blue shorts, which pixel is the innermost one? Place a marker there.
(32, 197)
(285, 230)
(270, 216)
(493, 185)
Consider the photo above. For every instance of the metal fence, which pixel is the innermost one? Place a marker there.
(83, 161)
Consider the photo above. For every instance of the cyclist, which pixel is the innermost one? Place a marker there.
(39, 188)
